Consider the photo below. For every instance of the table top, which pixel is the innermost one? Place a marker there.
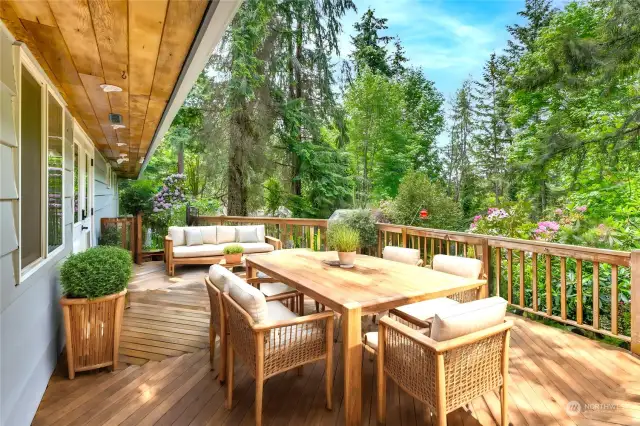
(373, 284)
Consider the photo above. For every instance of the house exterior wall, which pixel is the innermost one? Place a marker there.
(31, 335)
(105, 191)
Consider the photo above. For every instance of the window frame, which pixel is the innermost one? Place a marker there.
(23, 59)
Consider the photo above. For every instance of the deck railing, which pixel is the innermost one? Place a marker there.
(574, 285)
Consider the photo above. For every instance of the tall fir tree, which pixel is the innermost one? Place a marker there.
(369, 47)
(462, 128)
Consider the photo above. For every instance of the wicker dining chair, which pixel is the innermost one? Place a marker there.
(420, 315)
(269, 339)
(466, 356)
(275, 290)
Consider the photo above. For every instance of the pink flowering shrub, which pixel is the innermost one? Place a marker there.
(508, 221)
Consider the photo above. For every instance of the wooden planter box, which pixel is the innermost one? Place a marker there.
(92, 329)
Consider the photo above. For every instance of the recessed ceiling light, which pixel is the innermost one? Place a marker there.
(110, 88)
(118, 126)
(124, 154)
(141, 160)
(121, 144)
(120, 160)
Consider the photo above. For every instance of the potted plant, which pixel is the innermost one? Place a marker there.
(233, 253)
(94, 283)
(345, 240)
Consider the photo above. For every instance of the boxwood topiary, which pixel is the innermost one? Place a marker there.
(96, 272)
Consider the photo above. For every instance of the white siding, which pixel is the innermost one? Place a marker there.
(105, 201)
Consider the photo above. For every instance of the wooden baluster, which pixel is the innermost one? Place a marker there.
(448, 247)
(123, 232)
(433, 250)
(498, 266)
(521, 256)
(579, 291)
(404, 237)
(635, 301)
(509, 274)
(424, 258)
(439, 246)
(455, 248)
(548, 283)
(563, 288)
(386, 241)
(464, 250)
(614, 299)
(380, 243)
(534, 280)
(596, 295)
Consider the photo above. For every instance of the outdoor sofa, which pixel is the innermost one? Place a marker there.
(204, 245)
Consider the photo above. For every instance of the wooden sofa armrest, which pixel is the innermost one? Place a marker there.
(276, 243)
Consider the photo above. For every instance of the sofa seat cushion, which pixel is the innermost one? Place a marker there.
(206, 250)
(427, 309)
(203, 250)
(256, 247)
(467, 318)
(276, 311)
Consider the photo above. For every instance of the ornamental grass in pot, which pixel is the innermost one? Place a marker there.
(94, 283)
(233, 253)
(345, 240)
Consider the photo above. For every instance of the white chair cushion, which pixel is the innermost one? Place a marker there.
(246, 234)
(204, 250)
(219, 276)
(225, 234)
(276, 311)
(274, 289)
(467, 318)
(401, 254)
(427, 309)
(208, 234)
(249, 298)
(177, 235)
(461, 266)
(193, 236)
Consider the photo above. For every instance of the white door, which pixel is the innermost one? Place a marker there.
(82, 195)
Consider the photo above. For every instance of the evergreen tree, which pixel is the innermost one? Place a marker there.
(369, 47)
(538, 14)
(398, 59)
(493, 136)
(457, 154)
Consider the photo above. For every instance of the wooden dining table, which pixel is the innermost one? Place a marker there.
(373, 285)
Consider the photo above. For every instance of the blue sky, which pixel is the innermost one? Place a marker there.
(449, 40)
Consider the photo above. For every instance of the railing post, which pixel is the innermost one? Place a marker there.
(486, 261)
(138, 244)
(404, 236)
(635, 301)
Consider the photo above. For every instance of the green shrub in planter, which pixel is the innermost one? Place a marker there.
(343, 238)
(96, 272)
(233, 249)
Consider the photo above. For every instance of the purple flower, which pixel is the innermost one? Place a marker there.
(581, 209)
(558, 211)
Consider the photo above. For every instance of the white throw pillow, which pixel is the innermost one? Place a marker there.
(208, 234)
(260, 231)
(467, 318)
(249, 298)
(177, 235)
(225, 234)
(246, 234)
(193, 236)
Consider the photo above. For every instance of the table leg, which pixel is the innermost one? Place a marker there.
(250, 272)
(352, 341)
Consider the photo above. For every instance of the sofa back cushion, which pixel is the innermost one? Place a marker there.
(401, 254)
(177, 235)
(260, 232)
(193, 236)
(208, 234)
(249, 298)
(461, 266)
(467, 318)
(225, 234)
(220, 277)
(246, 234)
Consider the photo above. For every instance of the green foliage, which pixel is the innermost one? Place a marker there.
(136, 196)
(418, 192)
(273, 195)
(233, 249)
(110, 236)
(96, 272)
(363, 221)
(369, 47)
(343, 238)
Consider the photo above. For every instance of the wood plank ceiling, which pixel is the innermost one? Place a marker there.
(137, 45)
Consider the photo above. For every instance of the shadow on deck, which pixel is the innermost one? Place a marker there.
(165, 378)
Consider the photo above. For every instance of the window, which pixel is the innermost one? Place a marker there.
(55, 170)
(30, 168)
(76, 191)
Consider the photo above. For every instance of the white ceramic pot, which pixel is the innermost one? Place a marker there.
(347, 258)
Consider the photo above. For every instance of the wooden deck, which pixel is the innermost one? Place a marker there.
(165, 378)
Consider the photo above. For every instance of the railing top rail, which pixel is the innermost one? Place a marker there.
(265, 219)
